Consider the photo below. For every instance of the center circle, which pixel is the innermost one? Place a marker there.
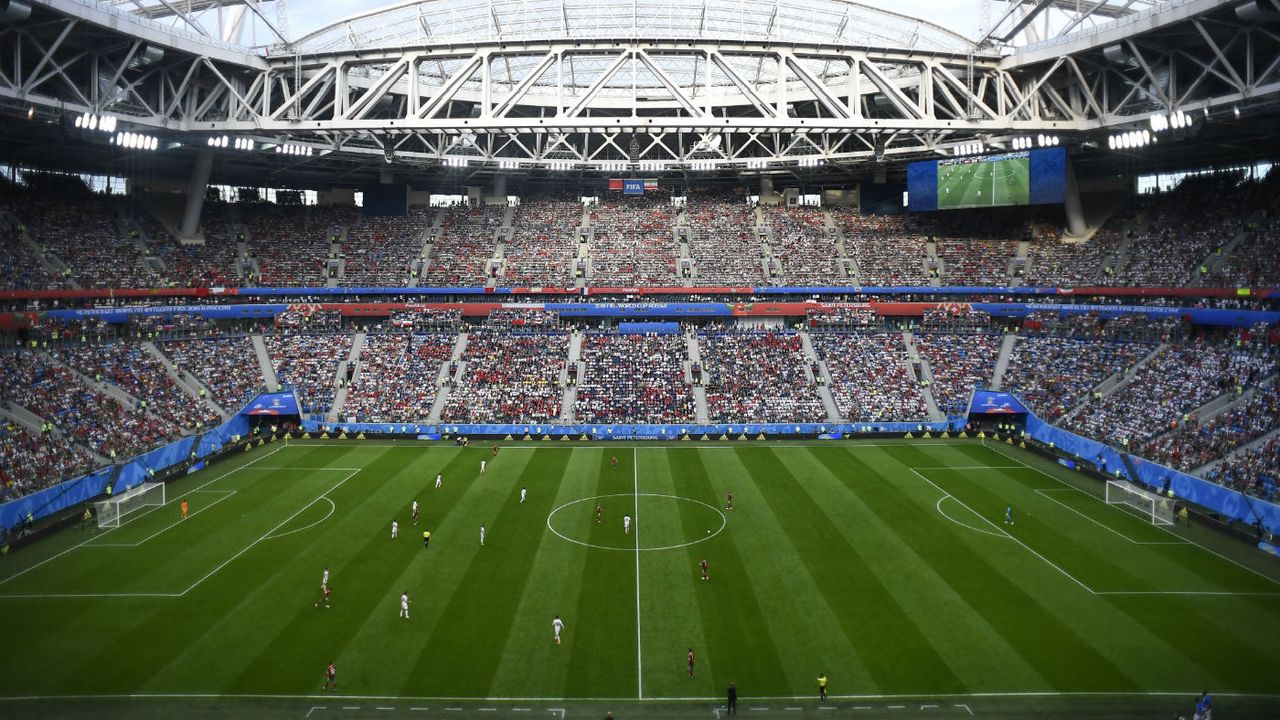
(652, 515)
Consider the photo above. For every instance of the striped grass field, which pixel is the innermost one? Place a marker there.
(984, 184)
(885, 565)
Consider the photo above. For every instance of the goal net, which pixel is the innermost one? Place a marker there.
(1158, 509)
(112, 510)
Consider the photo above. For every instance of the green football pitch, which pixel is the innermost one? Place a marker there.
(886, 565)
(984, 184)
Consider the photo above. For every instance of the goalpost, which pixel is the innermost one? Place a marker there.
(1158, 509)
(110, 511)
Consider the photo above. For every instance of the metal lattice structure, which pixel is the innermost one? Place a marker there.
(636, 84)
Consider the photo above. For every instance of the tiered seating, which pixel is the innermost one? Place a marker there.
(291, 243)
(952, 317)
(1054, 374)
(1255, 262)
(887, 252)
(380, 251)
(977, 262)
(1194, 444)
(509, 378)
(633, 379)
(91, 418)
(1176, 382)
(29, 462)
(541, 249)
(869, 378)
(845, 318)
(310, 364)
(212, 264)
(522, 318)
(227, 366)
(1255, 471)
(808, 256)
(459, 255)
(306, 320)
(83, 233)
(958, 362)
(397, 377)
(20, 268)
(130, 367)
(758, 377)
(724, 246)
(633, 245)
(1053, 263)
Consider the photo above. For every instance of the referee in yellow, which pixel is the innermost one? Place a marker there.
(822, 687)
(426, 539)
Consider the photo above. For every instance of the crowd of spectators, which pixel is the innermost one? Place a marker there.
(723, 241)
(541, 248)
(845, 318)
(889, 259)
(977, 262)
(869, 377)
(89, 416)
(461, 253)
(509, 378)
(228, 367)
(309, 319)
(292, 242)
(309, 363)
(1054, 374)
(1167, 389)
(955, 317)
(633, 379)
(31, 462)
(84, 232)
(1193, 443)
(758, 377)
(1255, 471)
(1255, 261)
(383, 251)
(958, 364)
(632, 244)
(130, 367)
(523, 318)
(799, 239)
(397, 377)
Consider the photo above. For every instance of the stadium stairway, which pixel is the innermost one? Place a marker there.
(51, 262)
(932, 260)
(270, 381)
(845, 265)
(111, 390)
(1113, 382)
(571, 389)
(1216, 259)
(1002, 362)
(188, 382)
(701, 414)
(924, 375)
(340, 385)
(1256, 443)
(25, 418)
(824, 392)
(445, 381)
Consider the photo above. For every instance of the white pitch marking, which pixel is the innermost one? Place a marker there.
(895, 707)
(351, 707)
(966, 707)
(332, 508)
(1186, 540)
(51, 558)
(938, 507)
(315, 708)
(997, 527)
(635, 520)
(225, 494)
(282, 523)
(724, 522)
(1102, 525)
(385, 708)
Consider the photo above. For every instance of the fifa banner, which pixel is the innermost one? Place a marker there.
(828, 431)
(54, 499)
(284, 403)
(988, 402)
(1101, 455)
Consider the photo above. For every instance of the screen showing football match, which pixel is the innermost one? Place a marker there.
(1027, 177)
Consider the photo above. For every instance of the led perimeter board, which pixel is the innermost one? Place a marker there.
(1027, 177)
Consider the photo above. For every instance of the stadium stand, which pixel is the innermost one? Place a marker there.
(227, 366)
(509, 378)
(397, 377)
(382, 251)
(869, 377)
(958, 363)
(541, 250)
(466, 244)
(29, 462)
(798, 238)
(723, 244)
(309, 364)
(1053, 374)
(758, 377)
(1194, 444)
(633, 379)
(137, 372)
(632, 243)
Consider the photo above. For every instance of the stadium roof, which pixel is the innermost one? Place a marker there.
(420, 22)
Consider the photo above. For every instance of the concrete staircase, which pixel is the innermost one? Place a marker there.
(340, 384)
(272, 383)
(1215, 259)
(918, 367)
(1112, 383)
(25, 418)
(702, 415)
(1002, 362)
(931, 257)
(824, 391)
(444, 382)
(845, 263)
(570, 397)
(1259, 442)
(188, 382)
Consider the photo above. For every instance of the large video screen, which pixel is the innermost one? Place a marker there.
(1027, 177)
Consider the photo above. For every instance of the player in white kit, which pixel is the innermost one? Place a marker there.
(481, 536)
(483, 465)
(395, 529)
(556, 626)
(522, 494)
(404, 605)
(626, 524)
(439, 480)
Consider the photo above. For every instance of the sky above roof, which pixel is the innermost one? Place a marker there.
(960, 16)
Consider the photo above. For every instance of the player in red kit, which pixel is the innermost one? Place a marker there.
(324, 596)
(690, 662)
(330, 677)
(728, 501)
(613, 462)
(704, 569)
(599, 513)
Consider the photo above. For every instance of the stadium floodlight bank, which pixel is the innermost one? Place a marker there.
(1158, 508)
(112, 510)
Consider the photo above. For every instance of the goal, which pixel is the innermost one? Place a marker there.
(110, 511)
(1151, 505)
